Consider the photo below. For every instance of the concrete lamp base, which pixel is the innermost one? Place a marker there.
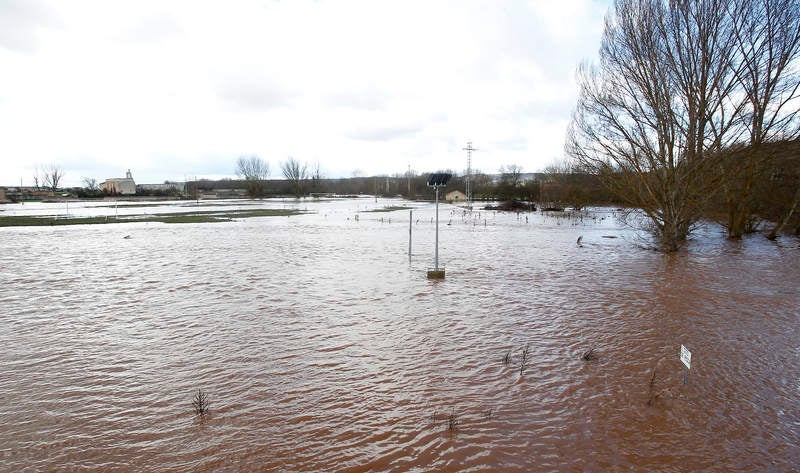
(436, 273)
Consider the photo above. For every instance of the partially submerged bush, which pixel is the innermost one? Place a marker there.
(200, 402)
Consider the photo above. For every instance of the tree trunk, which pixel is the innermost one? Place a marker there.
(795, 202)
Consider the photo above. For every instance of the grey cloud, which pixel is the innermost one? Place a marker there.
(519, 143)
(550, 110)
(384, 133)
(152, 29)
(526, 37)
(249, 93)
(19, 22)
(369, 99)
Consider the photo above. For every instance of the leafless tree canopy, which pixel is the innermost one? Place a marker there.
(677, 83)
(295, 173)
(90, 183)
(255, 171)
(52, 174)
(316, 176)
(252, 168)
(511, 174)
(767, 44)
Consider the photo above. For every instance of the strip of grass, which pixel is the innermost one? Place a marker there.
(125, 204)
(390, 208)
(177, 217)
(26, 221)
(184, 219)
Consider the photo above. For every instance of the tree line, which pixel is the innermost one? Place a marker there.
(300, 179)
(692, 109)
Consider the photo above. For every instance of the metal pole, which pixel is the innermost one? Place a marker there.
(469, 149)
(410, 221)
(436, 260)
(407, 175)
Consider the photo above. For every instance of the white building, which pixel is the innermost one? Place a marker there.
(120, 185)
(455, 196)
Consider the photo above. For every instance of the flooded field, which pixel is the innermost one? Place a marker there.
(323, 348)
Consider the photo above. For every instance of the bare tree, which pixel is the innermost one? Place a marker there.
(784, 219)
(684, 97)
(652, 114)
(296, 173)
(511, 175)
(316, 176)
(52, 175)
(481, 184)
(767, 46)
(90, 183)
(255, 172)
(510, 180)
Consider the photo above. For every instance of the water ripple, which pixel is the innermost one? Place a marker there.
(323, 348)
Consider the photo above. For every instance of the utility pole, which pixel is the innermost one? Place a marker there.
(408, 175)
(469, 149)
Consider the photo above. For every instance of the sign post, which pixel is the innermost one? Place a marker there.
(410, 220)
(686, 359)
(436, 181)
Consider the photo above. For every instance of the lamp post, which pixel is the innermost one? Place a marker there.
(436, 181)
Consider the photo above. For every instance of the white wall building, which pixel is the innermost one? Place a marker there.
(455, 196)
(120, 185)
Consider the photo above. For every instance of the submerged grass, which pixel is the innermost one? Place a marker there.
(450, 421)
(124, 204)
(203, 216)
(524, 361)
(390, 208)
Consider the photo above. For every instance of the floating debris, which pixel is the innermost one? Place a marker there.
(590, 355)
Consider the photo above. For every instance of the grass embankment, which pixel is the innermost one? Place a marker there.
(176, 217)
(126, 204)
(390, 208)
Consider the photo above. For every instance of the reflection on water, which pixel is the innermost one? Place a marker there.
(324, 349)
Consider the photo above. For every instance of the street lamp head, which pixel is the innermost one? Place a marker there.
(439, 179)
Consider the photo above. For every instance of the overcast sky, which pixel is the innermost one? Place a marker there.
(172, 89)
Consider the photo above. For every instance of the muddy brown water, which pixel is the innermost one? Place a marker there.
(323, 348)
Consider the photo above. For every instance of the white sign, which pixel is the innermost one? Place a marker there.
(686, 357)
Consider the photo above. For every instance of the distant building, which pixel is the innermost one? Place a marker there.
(2, 195)
(16, 194)
(120, 185)
(455, 196)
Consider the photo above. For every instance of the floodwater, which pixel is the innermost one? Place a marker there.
(323, 348)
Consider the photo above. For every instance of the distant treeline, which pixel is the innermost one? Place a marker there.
(565, 189)
(772, 190)
(774, 197)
